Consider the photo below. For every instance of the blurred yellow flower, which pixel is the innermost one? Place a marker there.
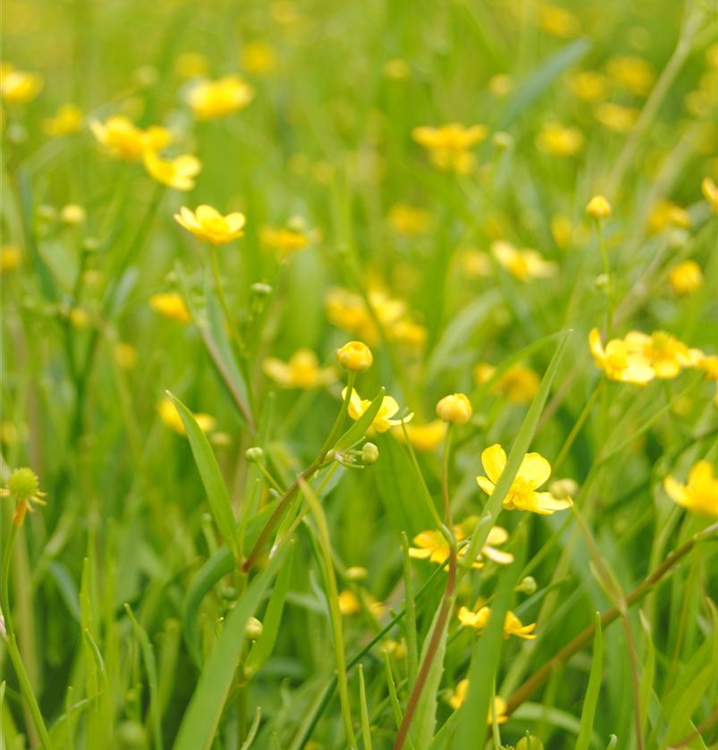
(349, 603)
(409, 220)
(710, 192)
(589, 85)
(709, 364)
(407, 332)
(665, 353)
(177, 173)
(259, 58)
(284, 240)
(170, 305)
(631, 73)
(10, 258)
(383, 421)
(700, 494)
(462, 691)
(209, 225)
(431, 545)
(598, 207)
(501, 85)
(18, 86)
(424, 438)
(618, 361)
(73, 215)
(475, 264)
(124, 140)
(79, 318)
(512, 625)
(666, 214)
(522, 264)
(519, 384)
(556, 140)
(533, 472)
(67, 121)
(24, 487)
(355, 356)
(616, 117)
(301, 371)
(449, 145)
(191, 65)
(562, 230)
(454, 409)
(212, 99)
(686, 277)
(558, 21)
(171, 419)
(125, 355)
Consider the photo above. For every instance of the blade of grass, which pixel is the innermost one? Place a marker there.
(592, 691)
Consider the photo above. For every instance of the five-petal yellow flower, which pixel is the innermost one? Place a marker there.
(209, 225)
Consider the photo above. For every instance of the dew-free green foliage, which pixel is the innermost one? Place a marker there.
(232, 558)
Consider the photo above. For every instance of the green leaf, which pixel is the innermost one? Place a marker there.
(212, 480)
(264, 646)
(365, 725)
(357, 431)
(592, 691)
(529, 743)
(148, 657)
(201, 719)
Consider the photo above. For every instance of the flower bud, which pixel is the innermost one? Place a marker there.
(369, 453)
(254, 454)
(261, 290)
(253, 629)
(73, 215)
(355, 356)
(455, 409)
(563, 488)
(598, 207)
(357, 573)
(527, 586)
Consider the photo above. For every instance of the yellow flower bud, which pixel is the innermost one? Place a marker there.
(598, 207)
(455, 409)
(355, 356)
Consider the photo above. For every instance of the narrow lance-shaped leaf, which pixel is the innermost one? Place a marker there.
(592, 691)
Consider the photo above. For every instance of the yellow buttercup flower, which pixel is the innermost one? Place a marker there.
(665, 353)
(700, 494)
(710, 192)
(461, 693)
(212, 99)
(284, 240)
(424, 438)
(124, 140)
(209, 225)
(522, 495)
(18, 86)
(355, 356)
(454, 409)
(73, 215)
(631, 73)
(349, 603)
(407, 332)
(556, 140)
(589, 85)
(686, 277)
(558, 21)
(598, 207)
(177, 173)
(616, 117)
(666, 214)
(171, 305)
(301, 371)
(522, 264)
(449, 145)
(170, 418)
(431, 545)
(67, 121)
(519, 384)
(475, 264)
(24, 487)
(409, 220)
(501, 85)
(259, 58)
(383, 420)
(709, 364)
(618, 361)
(512, 625)
(10, 258)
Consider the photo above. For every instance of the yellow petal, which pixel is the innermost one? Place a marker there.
(487, 486)
(494, 462)
(675, 490)
(534, 469)
(548, 504)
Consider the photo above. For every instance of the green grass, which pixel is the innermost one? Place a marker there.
(180, 593)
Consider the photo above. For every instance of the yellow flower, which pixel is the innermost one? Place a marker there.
(212, 99)
(407, 332)
(700, 495)
(355, 356)
(432, 546)
(18, 86)
(501, 85)
(73, 215)
(171, 305)
(259, 58)
(708, 363)
(522, 495)
(686, 277)
(10, 258)
(589, 85)
(349, 603)
(67, 121)
(284, 240)
(616, 117)
(558, 21)
(454, 409)
(124, 140)
(522, 264)
(24, 487)
(667, 214)
(209, 225)
(177, 173)
(561, 230)
(710, 192)
(79, 318)
(475, 264)
(449, 145)
(519, 384)
(302, 370)
(665, 353)
(171, 419)
(383, 420)
(424, 438)
(462, 691)
(556, 140)
(512, 625)
(631, 73)
(618, 361)
(409, 220)
(598, 207)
